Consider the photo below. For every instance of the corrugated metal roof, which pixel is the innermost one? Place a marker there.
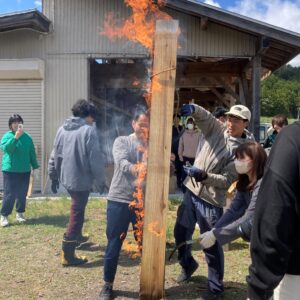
(28, 19)
(235, 20)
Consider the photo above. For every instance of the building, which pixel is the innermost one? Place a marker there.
(50, 59)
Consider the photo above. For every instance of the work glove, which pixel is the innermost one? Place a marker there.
(198, 174)
(187, 109)
(54, 186)
(244, 230)
(207, 239)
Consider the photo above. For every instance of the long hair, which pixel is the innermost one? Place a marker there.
(259, 157)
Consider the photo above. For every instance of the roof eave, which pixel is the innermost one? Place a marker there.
(33, 20)
(236, 21)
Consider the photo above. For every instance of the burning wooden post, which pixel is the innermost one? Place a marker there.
(156, 197)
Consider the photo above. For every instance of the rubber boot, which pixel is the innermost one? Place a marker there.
(68, 256)
(81, 239)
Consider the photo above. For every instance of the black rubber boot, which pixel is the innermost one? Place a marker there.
(68, 256)
(81, 239)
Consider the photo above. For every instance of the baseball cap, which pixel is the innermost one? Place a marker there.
(240, 111)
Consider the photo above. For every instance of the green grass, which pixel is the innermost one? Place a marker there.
(30, 263)
(269, 120)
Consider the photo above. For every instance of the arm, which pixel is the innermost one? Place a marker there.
(33, 159)
(51, 166)
(9, 143)
(180, 148)
(238, 213)
(276, 219)
(96, 159)
(207, 122)
(224, 179)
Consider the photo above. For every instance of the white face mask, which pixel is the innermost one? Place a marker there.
(242, 167)
(190, 126)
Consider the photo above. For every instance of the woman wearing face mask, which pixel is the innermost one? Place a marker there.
(188, 142)
(188, 145)
(237, 220)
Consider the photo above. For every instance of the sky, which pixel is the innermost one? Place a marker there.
(282, 13)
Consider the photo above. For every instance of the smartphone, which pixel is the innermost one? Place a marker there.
(20, 126)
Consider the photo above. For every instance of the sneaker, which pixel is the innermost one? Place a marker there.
(20, 218)
(187, 273)
(106, 292)
(4, 221)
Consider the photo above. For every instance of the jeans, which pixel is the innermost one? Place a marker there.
(15, 186)
(193, 209)
(119, 216)
(79, 201)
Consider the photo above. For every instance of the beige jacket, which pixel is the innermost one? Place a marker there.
(216, 158)
(188, 143)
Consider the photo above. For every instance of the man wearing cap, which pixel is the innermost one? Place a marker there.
(207, 182)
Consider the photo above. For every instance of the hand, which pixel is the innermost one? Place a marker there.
(207, 239)
(54, 186)
(36, 174)
(198, 174)
(19, 133)
(187, 109)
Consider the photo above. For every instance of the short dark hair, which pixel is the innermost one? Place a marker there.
(140, 110)
(83, 108)
(14, 118)
(280, 120)
(220, 112)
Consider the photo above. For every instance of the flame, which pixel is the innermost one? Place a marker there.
(140, 26)
(153, 228)
(131, 248)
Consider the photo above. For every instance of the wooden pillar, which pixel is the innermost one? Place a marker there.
(157, 188)
(255, 119)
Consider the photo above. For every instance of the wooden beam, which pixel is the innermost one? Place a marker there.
(228, 88)
(157, 186)
(255, 119)
(241, 92)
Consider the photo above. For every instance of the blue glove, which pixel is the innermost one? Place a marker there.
(196, 173)
(187, 109)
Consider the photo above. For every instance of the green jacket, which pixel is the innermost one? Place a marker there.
(19, 155)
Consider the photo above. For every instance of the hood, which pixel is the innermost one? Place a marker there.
(73, 123)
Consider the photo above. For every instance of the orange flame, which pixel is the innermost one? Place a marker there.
(153, 228)
(140, 26)
(131, 248)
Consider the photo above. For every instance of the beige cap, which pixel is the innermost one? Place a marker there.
(240, 111)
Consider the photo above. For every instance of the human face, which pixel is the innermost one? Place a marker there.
(14, 126)
(277, 128)
(244, 165)
(176, 121)
(235, 126)
(89, 120)
(141, 127)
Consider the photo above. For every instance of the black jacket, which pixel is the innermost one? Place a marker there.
(275, 238)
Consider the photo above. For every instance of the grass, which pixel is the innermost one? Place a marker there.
(30, 263)
(269, 120)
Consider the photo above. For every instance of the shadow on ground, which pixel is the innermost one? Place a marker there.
(197, 284)
(58, 221)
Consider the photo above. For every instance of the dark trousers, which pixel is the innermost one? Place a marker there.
(178, 168)
(15, 186)
(193, 209)
(79, 202)
(119, 216)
